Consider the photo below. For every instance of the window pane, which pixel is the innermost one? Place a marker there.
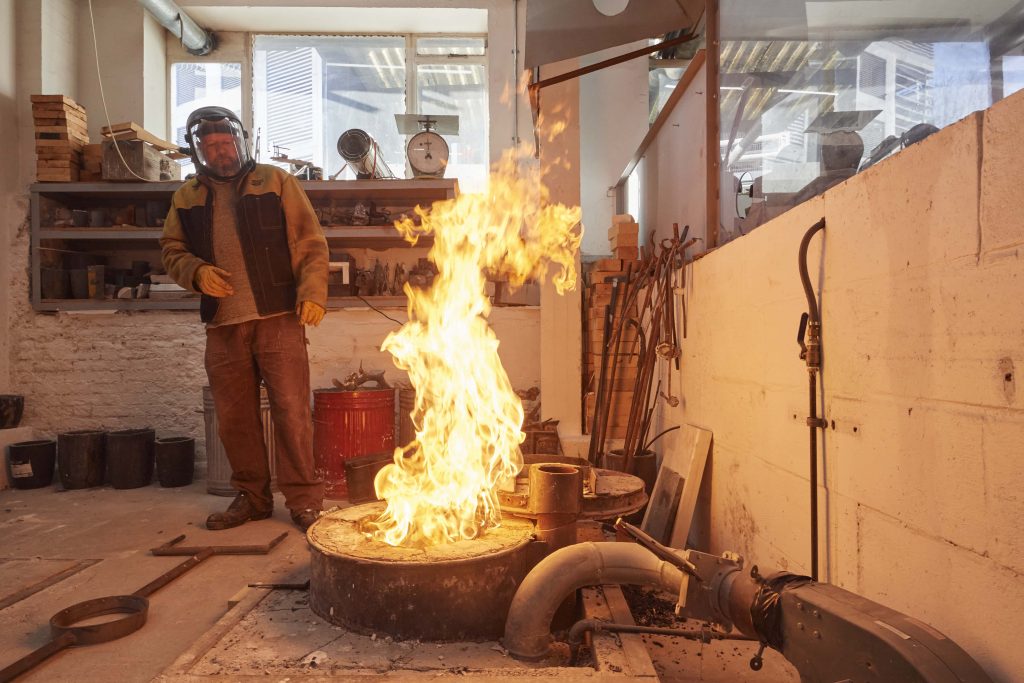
(307, 91)
(459, 89)
(801, 111)
(202, 84)
(451, 46)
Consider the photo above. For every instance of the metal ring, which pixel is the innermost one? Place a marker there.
(135, 609)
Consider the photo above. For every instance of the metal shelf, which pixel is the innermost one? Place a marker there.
(115, 233)
(128, 238)
(118, 304)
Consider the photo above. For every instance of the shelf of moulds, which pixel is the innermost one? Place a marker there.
(120, 232)
(371, 237)
(190, 304)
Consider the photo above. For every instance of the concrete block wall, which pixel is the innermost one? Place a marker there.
(920, 274)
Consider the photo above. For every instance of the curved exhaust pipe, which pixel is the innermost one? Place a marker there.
(528, 626)
(197, 40)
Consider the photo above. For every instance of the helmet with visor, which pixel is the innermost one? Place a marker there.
(217, 143)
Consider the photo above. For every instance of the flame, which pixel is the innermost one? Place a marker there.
(443, 487)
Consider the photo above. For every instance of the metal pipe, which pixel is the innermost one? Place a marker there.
(812, 355)
(597, 626)
(197, 40)
(528, 626)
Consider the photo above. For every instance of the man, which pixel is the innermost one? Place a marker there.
(246, 237)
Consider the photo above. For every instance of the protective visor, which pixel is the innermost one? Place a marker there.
(219, 148)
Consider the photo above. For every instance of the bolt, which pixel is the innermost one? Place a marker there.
(817, 614)
(800, 625)
(800, 606)
(816, 634)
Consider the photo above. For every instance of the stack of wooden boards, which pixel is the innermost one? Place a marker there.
(624, 236)
(600, 284)
(92, 163)
(61, 132)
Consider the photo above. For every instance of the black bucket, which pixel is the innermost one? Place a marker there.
(130, 458)
(175, 460)
(360, 473)
(80, 458)
(31, 463)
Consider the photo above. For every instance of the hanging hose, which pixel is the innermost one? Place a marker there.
(810, 323)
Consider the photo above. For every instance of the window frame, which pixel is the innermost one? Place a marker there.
(240, 48)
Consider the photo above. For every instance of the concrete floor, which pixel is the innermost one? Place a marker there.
(44, 532)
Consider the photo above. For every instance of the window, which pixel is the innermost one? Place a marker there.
(202, 84)
(308, 90)
(812, 94)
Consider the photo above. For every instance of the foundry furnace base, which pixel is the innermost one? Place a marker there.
(455, 591)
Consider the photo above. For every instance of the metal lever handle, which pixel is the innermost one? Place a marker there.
(800, 334)
(662, 552)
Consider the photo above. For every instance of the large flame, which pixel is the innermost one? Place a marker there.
(444, 486)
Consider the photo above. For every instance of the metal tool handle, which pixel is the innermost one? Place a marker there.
(662, 552)
(37, 657)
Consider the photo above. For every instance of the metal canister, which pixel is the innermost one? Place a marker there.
(218, 469)
(347, 424)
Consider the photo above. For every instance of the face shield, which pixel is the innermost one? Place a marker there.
(219, 148)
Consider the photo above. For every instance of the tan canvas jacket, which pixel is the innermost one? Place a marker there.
(285, 250)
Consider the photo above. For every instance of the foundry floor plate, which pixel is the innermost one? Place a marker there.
(274, 633)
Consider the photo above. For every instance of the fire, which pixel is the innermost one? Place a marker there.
(443, 486)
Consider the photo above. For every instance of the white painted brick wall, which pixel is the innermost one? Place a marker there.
(131, 369)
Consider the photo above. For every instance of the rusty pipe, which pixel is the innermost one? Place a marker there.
(528, 626)
(555, 493)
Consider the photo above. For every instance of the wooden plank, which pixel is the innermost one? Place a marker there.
(130, 130)
(45, 583)
(637, 656)
(661, 511)
(184, 663)
(697, 443)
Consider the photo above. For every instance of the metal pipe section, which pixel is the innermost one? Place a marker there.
(528, 626)
(197, 40)
(555, 492)
(812, 354)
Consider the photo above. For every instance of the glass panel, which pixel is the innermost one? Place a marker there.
(1013, 74)
(202, 84)
(812, 93)
(451, 46)
(307, 91)
(459, 89)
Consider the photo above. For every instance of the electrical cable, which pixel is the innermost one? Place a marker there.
(103, 97)
(379, 311)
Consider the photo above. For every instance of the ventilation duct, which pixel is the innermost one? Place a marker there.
(198, 41)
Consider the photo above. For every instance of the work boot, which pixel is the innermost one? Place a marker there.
(305, 518)
(238, 513)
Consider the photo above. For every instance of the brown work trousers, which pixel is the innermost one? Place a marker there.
(237, 357)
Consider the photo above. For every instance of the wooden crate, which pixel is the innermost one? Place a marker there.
(143, 159)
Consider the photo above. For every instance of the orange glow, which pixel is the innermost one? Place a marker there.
(444, 486)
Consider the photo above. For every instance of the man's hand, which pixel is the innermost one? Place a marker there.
(212, 281)
(310, 313)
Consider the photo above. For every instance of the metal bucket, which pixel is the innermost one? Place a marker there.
(347, 424)
(218, 469)
(406, 404)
